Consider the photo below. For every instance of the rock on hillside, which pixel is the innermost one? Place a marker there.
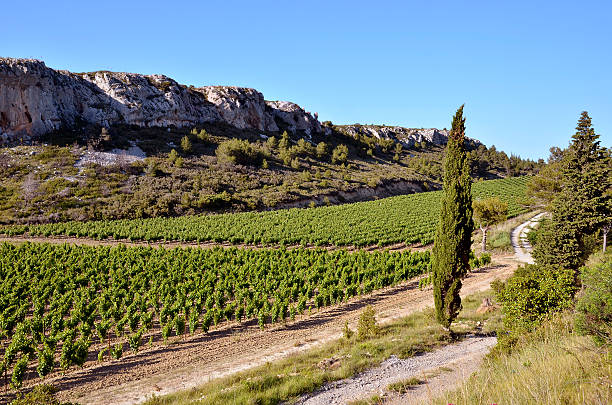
(407, 136)
(35, 100)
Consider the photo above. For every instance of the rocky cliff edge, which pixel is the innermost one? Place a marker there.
(35, 100)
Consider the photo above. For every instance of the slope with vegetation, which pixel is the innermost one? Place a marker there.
(214, 148)
(402, 219)
(213, 168)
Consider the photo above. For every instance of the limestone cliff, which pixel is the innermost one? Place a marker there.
(35, 100)
(407, 136)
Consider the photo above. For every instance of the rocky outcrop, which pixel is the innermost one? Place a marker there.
(293, 117)
(406, 136)
(35, 100)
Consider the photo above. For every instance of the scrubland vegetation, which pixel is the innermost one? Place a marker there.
(553, 362)
(554, 346)
(213, 169)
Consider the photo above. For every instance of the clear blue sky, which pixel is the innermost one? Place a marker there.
(524, 69)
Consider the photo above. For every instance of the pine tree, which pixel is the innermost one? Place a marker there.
(451, 251)
(582, 207)
(587, 179)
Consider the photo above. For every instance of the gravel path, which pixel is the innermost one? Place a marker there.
(520, 243)
(376, 380)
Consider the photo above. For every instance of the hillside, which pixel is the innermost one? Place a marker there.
(405, 219)
(107, 145)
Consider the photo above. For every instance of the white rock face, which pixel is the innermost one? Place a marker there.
(35, 100)
(406, 136)
(241, 107)
(293, 115)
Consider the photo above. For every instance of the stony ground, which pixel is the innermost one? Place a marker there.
(440, 369)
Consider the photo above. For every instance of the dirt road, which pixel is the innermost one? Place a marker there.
(459, 361)
(520, 243)
(60, 240)
(439, 370)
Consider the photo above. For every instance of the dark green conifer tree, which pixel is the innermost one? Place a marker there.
(582, 206)
(451, 251)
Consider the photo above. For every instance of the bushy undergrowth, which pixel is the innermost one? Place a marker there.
(594, 306)
(550, 365)
(40, 395)
(239, 151)
(542, 357)
(531, 295)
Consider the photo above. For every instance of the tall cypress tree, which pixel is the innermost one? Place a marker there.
(451, 251)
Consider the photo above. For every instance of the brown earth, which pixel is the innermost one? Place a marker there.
(60, 240)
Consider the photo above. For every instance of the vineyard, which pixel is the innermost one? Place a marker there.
(408, 219)
(61, 305)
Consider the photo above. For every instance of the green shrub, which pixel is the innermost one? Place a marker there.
(340, 154)
(40, 395)
(272, 143)
(533, 293)
(215, 201)
(203, 136)
(172, 156)
(186, 144)
(500, 240)
(152, 169)
(367, 326)
(238, 151)
(594, 306)
(322, 150)
(304, 147)
(346, 331)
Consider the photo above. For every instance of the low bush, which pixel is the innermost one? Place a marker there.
(532, 294)
(594, 306)
(551, 365)
(367, 326)
(239, 151)
(340, 154)
(40, 395)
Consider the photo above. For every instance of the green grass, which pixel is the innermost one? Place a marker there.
(287, 379)
(552, 365)
(404, 386)
(373, 400)
(408, 218)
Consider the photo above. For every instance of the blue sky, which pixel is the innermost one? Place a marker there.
(525, 69)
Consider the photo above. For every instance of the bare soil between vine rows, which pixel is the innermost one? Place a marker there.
(194, 360)
(60, 240)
